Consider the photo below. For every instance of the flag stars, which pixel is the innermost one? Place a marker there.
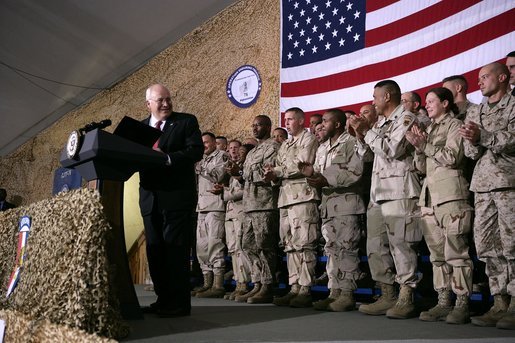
(309, 39)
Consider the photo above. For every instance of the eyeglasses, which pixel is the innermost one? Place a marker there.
(161, 100)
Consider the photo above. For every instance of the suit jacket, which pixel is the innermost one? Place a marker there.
(174, 186)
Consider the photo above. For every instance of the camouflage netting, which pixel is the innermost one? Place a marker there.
(21, 329)
(65, 277)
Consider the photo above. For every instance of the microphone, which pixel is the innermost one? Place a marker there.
(92, 126)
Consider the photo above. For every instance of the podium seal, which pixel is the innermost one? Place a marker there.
(73, 144)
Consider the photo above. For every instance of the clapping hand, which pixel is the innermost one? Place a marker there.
(218, 188)
(269, 173)
(306, 168)
(233, 168)
(471, 132)
(359, 125)
(416, 137)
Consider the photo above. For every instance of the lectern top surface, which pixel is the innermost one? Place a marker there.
(137, 132)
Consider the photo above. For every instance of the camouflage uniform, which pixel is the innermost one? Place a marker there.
(233, 195)
(298, 208)
(211, 213)
(341, 203)
(493, 183)
(464, 107)
(392, 217)
(260, 224)
(446, 215)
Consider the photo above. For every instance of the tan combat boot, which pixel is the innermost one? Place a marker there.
(496, 312)
(303, 299)
(322, 305)
(441, 310)
(241, 288)
(507, 322)
(243, 297)
(345, 302)
(460, 313)
(208, 283)
(385, 301)
(264, 296)
(216, 291)
(285, 300)
(404, 308)
(237, 291)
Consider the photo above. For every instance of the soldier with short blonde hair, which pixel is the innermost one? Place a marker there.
(298, 209)
(489, 133)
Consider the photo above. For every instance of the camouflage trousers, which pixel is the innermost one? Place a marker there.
(342, 236)
(494, 229)
(259, 242)
(210, 242)
(298, 237)
(233, 240)
(446, 228)
(393, 234)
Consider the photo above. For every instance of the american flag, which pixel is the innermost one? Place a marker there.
(333, 52)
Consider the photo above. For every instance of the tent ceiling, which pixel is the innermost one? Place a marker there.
(92, 44)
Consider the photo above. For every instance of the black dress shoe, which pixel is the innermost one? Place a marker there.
(153, 308)
(173, 312)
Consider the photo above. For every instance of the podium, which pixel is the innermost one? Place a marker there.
(106, 161)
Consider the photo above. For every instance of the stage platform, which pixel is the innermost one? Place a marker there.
(218, 320)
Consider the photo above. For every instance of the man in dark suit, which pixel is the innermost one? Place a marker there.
(4, 204)
(167, 202)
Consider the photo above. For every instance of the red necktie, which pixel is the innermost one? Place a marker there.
(157, 126)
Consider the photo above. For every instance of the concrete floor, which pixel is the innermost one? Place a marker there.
(218, 320)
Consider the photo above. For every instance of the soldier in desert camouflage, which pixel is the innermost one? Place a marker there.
(298, 209)
(337, 172)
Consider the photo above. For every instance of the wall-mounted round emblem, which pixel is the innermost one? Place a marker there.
(73, 144)
(244, 86)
